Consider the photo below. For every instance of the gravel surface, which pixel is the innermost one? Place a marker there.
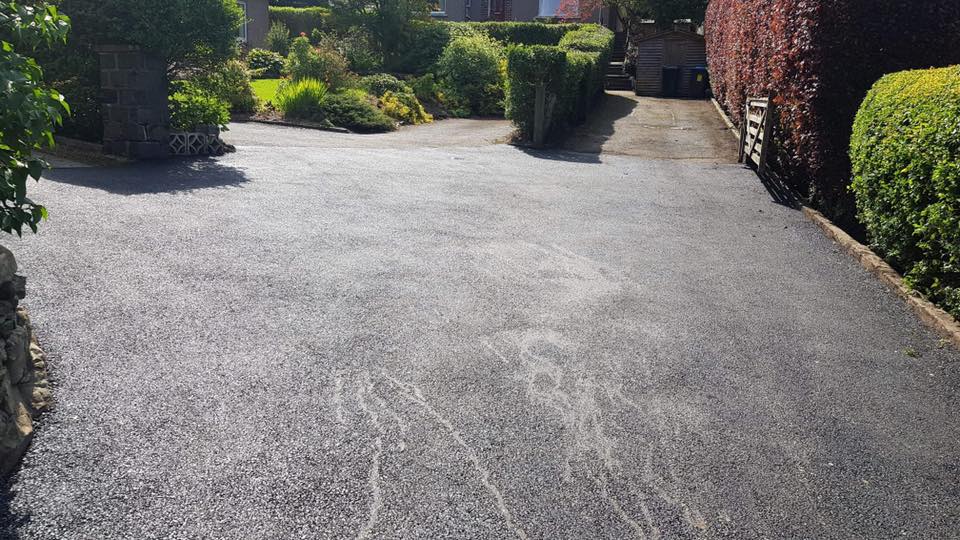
(325, 339)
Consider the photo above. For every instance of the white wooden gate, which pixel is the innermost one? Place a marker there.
(756, 132)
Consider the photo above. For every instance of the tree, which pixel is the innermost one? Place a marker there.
(28, 110)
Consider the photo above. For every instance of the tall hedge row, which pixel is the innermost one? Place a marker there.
(300, 20)
(425, 41)
(572, 73)
(906, 164)
(818, 58)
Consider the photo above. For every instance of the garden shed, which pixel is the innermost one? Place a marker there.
(672, 64)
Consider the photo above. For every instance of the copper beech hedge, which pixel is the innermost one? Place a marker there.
(817, 59)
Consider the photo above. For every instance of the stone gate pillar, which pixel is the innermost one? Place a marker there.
(133, 99)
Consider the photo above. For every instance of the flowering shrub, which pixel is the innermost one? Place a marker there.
(817, 59)
(405, 107)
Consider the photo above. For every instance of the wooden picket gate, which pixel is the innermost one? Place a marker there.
(756, 132)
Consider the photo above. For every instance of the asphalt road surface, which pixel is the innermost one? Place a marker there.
(337, 338)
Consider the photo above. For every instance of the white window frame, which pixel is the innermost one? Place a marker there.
(244, 36)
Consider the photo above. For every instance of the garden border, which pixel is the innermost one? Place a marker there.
(929, 314)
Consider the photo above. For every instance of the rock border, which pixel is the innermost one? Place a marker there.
(935, 318)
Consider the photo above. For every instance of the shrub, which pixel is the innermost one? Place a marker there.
(300, 20)
(322, 64)
(523, 33)
(471, 71)
(382, 83)
(267, 64)
(191, 106)
(194, 35)
(572, 75)
(231, 83)
(301, 99)
(905, 151)
(278, 39)
(357, 111)
(420, 48)
(28, 110)
(817, 59)
(405, 107)
(426, 88)
(355, 45)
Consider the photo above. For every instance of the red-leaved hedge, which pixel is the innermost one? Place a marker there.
(818, 59)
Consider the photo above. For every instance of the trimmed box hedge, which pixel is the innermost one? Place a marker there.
(905, 152)
(300, 20)
(817, 59)
(572, 74)
(424, 43)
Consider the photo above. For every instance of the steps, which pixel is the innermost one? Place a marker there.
(617, 79)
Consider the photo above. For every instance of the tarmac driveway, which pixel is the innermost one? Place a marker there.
(317, 337)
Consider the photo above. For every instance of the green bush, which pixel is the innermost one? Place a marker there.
(192, 106)
(278, 39)
(300, 21)
(906, 166)
(405, 107)
(29, 111)
(301, 99)
(231, 83)
(355, 44)
(420, 48)
(426, 88)
(267, 64)
(323, 64)
(381, 83)
(523, 33)
(572, 76)
(472, 75)
(357, 111)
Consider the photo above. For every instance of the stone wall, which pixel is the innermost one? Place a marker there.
(24, 390)
(133, 99)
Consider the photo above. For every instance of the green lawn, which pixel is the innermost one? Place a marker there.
(266, 89)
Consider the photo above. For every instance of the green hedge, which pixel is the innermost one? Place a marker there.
(300, 20)
(425, 42)
(905, 151)
(572, 74)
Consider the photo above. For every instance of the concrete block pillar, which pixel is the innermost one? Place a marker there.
(133, 97)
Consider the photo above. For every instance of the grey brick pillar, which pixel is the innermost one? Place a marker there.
(133, 97)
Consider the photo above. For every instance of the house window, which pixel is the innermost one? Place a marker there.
(438, 7)
(243, 27)
(567, 9)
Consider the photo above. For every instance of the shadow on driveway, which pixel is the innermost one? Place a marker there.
(170, 176)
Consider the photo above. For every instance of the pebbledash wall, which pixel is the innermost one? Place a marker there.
(24, 390)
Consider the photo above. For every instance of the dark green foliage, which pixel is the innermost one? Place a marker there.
(189, 34)
(423, 44)
(420, 47)
(426, 88)
(355, 44)
(387, 22)
(28, 110)
(231, 83)
(302, 99)
(382, 83)
(357, 111)
(300, 21)
(321, 63)
(278, 38)
(192, 106)
(572, 75)
(471, 74)
(266, 64)
(905, 152)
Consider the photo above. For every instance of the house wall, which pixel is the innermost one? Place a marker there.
(258, 22)
(690, 52)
